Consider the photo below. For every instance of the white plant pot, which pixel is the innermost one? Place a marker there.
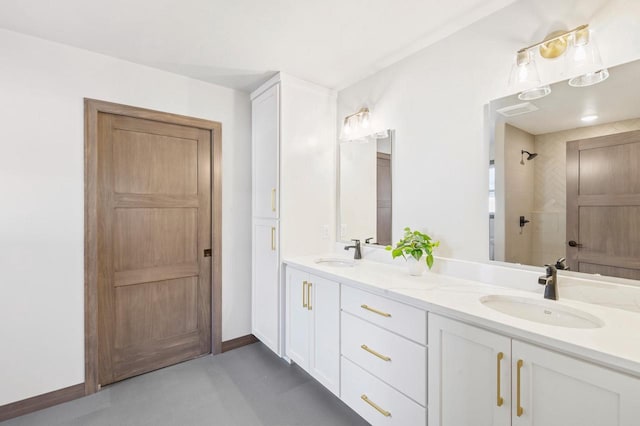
(416, 268)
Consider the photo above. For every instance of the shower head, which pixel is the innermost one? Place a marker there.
(530, 156)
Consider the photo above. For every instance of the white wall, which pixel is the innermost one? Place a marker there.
(435, 98)
(42, 86)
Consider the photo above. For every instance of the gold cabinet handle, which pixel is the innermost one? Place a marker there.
(378, 354)
(500, 399)
(304, 294)
(375, 311)
(273, 238)
(519, 409)
(309, 296)
(273, 200)
(366, 399)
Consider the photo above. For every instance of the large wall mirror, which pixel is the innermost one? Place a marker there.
(565, 177)
(365, 189)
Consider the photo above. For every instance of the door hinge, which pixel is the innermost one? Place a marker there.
(207, 252)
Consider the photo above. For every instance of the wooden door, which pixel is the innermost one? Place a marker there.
(298, 317)
(265, 289)
(154, 225)
(325, 332)
(469, 375)
(557, 390)
(603, 205)
(383, 184)
(265, 139)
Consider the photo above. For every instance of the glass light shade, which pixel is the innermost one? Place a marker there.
(535, 93)
(524, 73)
(364, 121)
(590, 78)
(583, 60)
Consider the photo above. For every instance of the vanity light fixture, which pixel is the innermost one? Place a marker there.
(582, 60)
(356, 124)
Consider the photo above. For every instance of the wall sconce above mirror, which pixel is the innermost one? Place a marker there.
(582, 62)
(357, 125)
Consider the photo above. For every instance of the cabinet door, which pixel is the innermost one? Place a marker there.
(557, 390)
(265, 142)
(469, 375)
(298, 317)
(265, 288)
(324, 307)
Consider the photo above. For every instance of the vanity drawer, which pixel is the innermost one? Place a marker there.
(399, 362)
(403, 319)
(383, 405)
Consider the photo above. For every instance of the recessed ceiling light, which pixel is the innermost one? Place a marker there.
(588, 118)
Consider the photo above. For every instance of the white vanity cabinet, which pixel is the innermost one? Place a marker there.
(477, 377)
(558, 390)
(313, 326)
(384, 359)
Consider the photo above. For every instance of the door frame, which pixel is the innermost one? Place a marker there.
(92, 108)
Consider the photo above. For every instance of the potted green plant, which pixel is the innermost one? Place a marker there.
(414, 247)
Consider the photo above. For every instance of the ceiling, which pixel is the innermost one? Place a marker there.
(615, 99)
(241, 43)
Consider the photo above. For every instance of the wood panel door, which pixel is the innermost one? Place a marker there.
(383, 192)
(154, 225)
(603, 205)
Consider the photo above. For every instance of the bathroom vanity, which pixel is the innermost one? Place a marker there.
(439, 350)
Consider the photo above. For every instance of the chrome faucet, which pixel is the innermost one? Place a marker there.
(550, 282)
(358, 252)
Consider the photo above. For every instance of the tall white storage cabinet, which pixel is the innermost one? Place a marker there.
(293, 155)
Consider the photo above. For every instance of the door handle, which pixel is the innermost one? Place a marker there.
(500, 399)
(574, 244)
(379, 409)
(519, 409)
(309, 296)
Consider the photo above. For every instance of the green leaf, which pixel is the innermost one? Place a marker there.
(430, 261)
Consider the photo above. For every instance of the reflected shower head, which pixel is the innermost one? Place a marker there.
(530, 156)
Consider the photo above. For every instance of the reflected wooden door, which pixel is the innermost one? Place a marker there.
(154, 225)
(603, 205)
(383, 192)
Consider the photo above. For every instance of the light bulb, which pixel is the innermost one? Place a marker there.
(524, 74)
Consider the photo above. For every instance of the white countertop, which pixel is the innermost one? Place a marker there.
(616, 344)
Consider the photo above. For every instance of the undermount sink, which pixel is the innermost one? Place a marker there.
(337, 262)
(541, 311)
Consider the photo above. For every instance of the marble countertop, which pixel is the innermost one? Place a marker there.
(616, 344)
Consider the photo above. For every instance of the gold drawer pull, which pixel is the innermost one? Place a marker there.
(304, 294)
(309, 307)
(520, 410)
(500, 399)
(378, 354)
(366, 399)
(375, 311)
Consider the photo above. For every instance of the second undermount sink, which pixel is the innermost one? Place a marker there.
(336, 261)
(542, 311)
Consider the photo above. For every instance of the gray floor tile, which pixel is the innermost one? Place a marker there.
(249, 386)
